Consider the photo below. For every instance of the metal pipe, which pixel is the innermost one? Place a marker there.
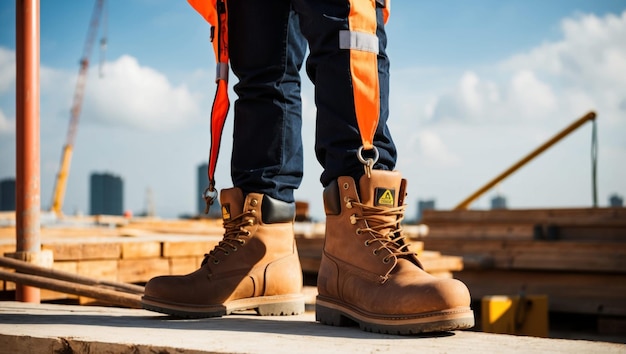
(466, 203)
(28, 203)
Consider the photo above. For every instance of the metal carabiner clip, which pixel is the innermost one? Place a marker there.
(209, 195)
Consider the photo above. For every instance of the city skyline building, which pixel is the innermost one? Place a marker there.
(7, 194)
(106, 194)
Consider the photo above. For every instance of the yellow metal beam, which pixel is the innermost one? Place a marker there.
(582, 120)
(61, 182)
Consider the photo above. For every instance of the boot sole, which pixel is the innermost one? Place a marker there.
(332, 313)
(278, 305)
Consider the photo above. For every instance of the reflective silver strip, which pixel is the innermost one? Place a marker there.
(221, 72)
(358, 40)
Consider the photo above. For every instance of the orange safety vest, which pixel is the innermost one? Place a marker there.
(363, 68)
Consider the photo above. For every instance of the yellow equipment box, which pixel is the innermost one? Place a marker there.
(522, 315)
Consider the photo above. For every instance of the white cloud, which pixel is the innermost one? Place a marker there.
(529, 96)
(493, 115)
(7, 70)
(138, 96)
(590, 58)
(584, 70)
(433, 149)
(7, 126)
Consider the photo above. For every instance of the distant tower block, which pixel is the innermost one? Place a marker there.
(424, 205)
(616, 201)
(7, 194)
(106, 194)
(150, 207)
(498, 202)
(203, 182)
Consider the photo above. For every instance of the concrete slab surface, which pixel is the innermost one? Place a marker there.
(49, 328)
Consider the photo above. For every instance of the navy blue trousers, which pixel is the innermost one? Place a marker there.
(267, 47)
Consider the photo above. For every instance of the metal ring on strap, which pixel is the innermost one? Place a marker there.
(368, 164)
(359, 155)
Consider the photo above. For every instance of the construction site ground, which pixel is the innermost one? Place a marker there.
(53, 328)
(132, 251)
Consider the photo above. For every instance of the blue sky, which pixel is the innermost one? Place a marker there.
(475, 86)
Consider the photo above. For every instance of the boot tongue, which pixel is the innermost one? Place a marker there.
(231, 201)
(381, 189)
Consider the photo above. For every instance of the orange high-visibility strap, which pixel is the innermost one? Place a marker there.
(216, 13)
(364, 69)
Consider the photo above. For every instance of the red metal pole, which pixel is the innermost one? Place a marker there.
(28, 203)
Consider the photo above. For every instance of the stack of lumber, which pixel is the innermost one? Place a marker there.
(120, 250)
(575, 256)
(133, 250)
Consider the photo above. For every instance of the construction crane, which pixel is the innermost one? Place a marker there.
(66, 156)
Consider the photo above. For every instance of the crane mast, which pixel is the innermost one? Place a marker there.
(66, 155)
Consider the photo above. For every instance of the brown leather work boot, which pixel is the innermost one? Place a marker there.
(255, 266)
(367, 274)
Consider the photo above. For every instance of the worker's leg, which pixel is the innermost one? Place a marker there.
(266, 52)
(367, 274)
(256, 265)
(328, 66)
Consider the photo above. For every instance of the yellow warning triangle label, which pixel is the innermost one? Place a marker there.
(386, 198)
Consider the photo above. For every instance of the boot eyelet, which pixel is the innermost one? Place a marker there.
(242, 242)
(353, 219)
(226, 253)
(367, 243)
(346, 186)
(386, 260)
(375, 253)
(358, 231)
(254, 202)
(235, 248)
(216, 261)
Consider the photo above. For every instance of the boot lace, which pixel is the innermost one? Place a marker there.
(235, 236)
(383, 224)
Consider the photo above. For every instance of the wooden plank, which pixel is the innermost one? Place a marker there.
(78, 250)
(464, 230)
(7, 247)
(64, 266)
(559, 255)
(310, 253)
(612, 325)
(187, 248)
(141, 249)
(441, 263)
(6, 285)
(141, 270)
(98, 269)
(583, 293)
(310, 247)
(184, 265)
(310, 265)
(569, 216)
(208, 227)
(598, 233)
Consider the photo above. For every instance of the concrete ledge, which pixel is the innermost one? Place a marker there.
(33, 328)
